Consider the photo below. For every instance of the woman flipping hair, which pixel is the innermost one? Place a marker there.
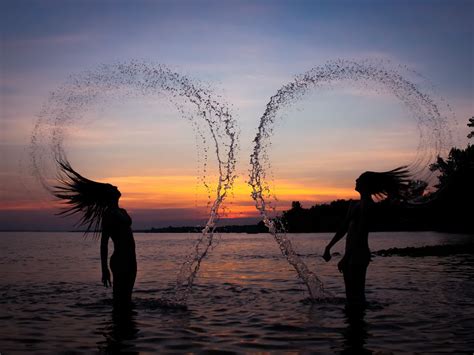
(354, 263)
(97, 203)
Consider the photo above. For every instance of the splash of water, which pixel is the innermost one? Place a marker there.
(213, 124)
(432, 126)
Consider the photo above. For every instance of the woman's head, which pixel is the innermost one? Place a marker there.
(84, 196)
(389, 183)
(111, 192)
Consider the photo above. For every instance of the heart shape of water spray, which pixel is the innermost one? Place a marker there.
(209, 115)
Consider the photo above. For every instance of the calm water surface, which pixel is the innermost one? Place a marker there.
(246, 298)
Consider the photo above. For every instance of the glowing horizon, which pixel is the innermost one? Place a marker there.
(163, 192)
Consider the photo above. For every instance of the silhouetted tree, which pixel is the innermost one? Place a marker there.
(456, 187)
(471, 124)
(458, 165)
(296, 205)
(297, 219)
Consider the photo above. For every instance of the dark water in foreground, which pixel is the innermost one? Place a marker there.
(246, 298)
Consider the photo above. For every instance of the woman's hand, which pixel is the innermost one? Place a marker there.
(341, 264)
(106, 278)
(327, 254)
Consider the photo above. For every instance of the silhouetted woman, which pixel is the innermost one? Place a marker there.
(356, 259)
(97, 203)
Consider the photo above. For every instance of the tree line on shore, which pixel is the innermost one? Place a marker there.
(450, 208)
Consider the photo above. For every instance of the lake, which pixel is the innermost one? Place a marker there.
(246, 297)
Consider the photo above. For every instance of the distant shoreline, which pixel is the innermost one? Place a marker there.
(244, 229)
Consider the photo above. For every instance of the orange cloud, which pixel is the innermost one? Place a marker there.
(159, 191)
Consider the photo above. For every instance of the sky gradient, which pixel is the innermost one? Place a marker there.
(246, 51)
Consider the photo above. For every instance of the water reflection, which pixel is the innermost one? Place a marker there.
(355, 334)
(120, 333)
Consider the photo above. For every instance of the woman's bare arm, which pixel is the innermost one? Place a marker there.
(104, 251)
(339, 235)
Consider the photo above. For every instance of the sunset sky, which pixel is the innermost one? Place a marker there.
(246, 50)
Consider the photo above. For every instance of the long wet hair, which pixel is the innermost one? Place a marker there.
(88, 198)
(392, 184)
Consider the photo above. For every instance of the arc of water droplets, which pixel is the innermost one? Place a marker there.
(68, 105)
(433, 134)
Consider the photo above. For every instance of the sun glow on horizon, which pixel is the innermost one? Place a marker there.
(155, 192)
